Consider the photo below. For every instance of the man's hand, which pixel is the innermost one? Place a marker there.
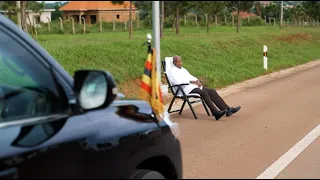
(196, 82)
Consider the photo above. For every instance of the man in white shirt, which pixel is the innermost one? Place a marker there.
(179, 75)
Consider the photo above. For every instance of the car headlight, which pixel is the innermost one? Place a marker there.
(175, 129)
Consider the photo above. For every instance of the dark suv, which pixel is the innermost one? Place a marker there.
(56, 126)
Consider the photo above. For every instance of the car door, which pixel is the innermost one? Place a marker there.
(37, 128)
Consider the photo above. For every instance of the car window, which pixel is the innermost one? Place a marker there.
(27, 87)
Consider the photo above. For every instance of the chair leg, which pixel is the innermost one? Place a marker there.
(194, 114)
(170, 106)
(184, 102)
(205, 107)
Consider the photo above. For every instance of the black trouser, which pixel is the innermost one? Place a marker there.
(211, 96)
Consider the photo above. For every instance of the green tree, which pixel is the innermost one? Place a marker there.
(258, 8)
(145, 8)
(298, 12)
(272, 10)
(180, 8)
(9, 6)
(57, 13)
(210, 8)
(239, 6)
(312, 9)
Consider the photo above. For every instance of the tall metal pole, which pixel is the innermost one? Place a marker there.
(156, 34)
(281, 18)
(18, 14)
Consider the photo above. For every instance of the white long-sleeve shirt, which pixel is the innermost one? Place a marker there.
(182, 76)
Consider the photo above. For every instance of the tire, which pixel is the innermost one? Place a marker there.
(146, 174)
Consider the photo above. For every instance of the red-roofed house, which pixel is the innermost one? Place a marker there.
(94, 11)
(244, 14)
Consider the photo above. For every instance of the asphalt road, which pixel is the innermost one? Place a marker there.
(274, 117)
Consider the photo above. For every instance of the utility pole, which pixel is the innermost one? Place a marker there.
(281, 15)
(156, 34)
(18, 14)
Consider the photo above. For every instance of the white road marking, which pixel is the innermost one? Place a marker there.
(275, 169)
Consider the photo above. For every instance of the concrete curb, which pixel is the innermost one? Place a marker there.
(251, 83)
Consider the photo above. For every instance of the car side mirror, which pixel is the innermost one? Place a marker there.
(94, 89)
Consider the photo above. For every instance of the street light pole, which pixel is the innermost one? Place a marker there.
(156, 34)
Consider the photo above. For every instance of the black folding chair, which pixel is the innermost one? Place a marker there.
(167, 64)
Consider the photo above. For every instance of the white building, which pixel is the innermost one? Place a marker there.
(44, 16)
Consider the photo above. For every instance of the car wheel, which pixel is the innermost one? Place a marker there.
(146, 174)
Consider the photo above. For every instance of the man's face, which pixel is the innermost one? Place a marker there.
(178, 63)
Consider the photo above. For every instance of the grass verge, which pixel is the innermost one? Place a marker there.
(219, 58)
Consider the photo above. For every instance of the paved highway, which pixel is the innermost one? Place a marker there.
(264, 138)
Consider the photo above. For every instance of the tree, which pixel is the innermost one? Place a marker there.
(239, 6)
(298, 12)
(162, 19)
(9, 6)
(130, 21)
(130, 16)
(145, 8)
(287, 13)
(258, 8)
(312, 9)
(170, 13)
(23, 5)
(181, 8)
(272, 10)
(57, 13)
(210, 8)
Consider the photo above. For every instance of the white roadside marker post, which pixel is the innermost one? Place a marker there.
(265, 58)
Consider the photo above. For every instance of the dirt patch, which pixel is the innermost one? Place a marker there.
(131, 89)
(295, 37)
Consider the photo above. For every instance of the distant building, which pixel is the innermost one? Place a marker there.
(95, 11)
(44, 16)
(244, 14)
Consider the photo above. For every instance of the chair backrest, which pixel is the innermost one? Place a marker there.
(167, 65)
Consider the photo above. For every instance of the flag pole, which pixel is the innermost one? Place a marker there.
(156, 34)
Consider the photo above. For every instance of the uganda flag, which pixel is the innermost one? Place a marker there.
(150, 84)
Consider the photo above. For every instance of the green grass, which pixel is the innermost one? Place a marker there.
(220, 58)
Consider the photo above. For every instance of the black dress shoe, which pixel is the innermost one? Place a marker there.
(233, 110)
(219, 114)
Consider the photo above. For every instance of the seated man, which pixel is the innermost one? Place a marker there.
(179, 75)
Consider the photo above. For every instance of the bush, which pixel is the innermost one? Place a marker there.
(254, 21)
